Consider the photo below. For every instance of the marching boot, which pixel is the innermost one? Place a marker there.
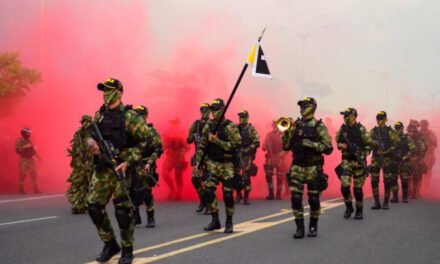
(126, 256)
(313, 227)
(150, 219)
(214, 224)
(246, 198)
(229, 228)
(270, 196)
(300, 232)
(349, 210)
(376, 204)
(110, 249)
(395, 198)
(359, 213)
(137, 217)
(238, 197)
(405, 196)
(385, 205)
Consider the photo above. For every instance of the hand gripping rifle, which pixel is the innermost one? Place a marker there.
(353, 149)
(110, 154)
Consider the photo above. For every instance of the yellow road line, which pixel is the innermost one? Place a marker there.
(240, 229)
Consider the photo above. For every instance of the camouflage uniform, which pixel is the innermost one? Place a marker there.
(274, 161)
(250, 141)
(219, 155)
(27, 162)
(151, 150)
(308, 139)
(126, 130)
(431, 141)
(417, 166)
(403, 153)
(82, 167)
(356, 144)
(194, 137)
(385, 142)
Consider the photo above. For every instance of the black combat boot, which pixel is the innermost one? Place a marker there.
(137, 217)
(300, 232)
(238, 197)
(395, 198)
(246, 198)
(126, 256)
(110, 249)
(405, 196)
(349, 210)
(150, 219)
(376, 204)
(214, 224)
(313, 227)
(359, 213)
(201, 207)
(21, 190)
(206, 212)
(270, 196)
(229, 227)
(385, 204)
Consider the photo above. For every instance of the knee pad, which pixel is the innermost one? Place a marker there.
(123, 217)
(197, 182)
(228, 197)
(209, 194)
(358, 194)
(345, 191)
(96, 213)
(314, 202)
(296, 200)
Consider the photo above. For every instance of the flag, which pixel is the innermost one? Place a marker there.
(258, 60)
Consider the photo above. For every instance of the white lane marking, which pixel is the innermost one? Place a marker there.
(28, 220)
(31, 198)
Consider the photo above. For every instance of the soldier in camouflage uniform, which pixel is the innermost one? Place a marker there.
(308, 139)
(402, 156)
(250, 141)
(219, 148)
(385, 142)
(417, 165)
(194, 136)
(25, 149)
(151, 150)
(274, 160)
(82, 167)
(355, 142)
(126, 130)
(431, 141)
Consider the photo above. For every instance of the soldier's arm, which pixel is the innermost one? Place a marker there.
(286, 139)
(423, 147)
(203, 142)
(234, 138)
(325, 145)
(395, 139)
(411, 148)
(265, 143)
(192, 130)
(156, 144)
(339, 140)
(19, 145)
(140, 132)
(367, 140)
(255, 138)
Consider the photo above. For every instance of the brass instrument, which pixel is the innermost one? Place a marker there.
(285, 123)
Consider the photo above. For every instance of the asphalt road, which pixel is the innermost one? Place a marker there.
(40, 229)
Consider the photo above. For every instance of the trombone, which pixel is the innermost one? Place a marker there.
(285, 123)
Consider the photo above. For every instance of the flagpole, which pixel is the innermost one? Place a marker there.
(231, 96)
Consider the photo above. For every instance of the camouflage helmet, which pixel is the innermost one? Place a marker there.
(142, 110)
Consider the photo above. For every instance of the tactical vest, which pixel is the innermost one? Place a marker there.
(112, 128)
(303, 156)
(215, 152)
(27, 153)
(354, 137)
(403, 146)
(383, 136)
(245, 137)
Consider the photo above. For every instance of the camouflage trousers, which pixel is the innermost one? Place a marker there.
(220, 172)
(297, 177)
(245, 164)
(79, 187)
(404, 173)
(198, 178)
(415, 179)
(272, 164)
(103, 185)
(389, 171)
(352, 172)
(27, 166)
